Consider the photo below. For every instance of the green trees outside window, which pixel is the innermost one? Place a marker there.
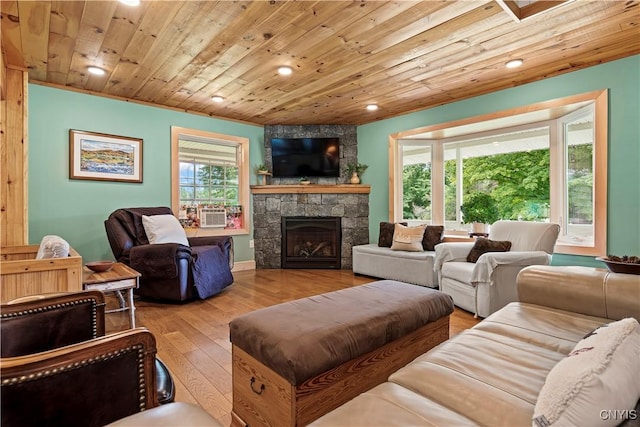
(208, 183)
(519, 182)
(416, 190)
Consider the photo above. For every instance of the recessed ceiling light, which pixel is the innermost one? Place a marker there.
(97, 71)
(514, 63)
(217, 98)
(130, 2)
(372, 107)
(285, 71)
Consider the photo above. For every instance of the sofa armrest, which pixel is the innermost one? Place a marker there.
(225, 243)
(448, 252)
(94, 382)
(489, 261)
(158, 261)
(585, 290)
(172, 414)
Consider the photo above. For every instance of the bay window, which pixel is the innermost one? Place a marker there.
(545, 164)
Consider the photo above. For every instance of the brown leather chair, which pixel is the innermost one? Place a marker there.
(108, 380)
(168, 269)
(39, 324)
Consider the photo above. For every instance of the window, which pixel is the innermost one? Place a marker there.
(208, 173)
(210, 181)
(545, 162)
(512, 165)
(576, 207)
(415, 158)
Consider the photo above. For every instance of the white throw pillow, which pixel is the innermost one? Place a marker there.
(164, 229)
(596, 382)
(53, 247)
(408, 238)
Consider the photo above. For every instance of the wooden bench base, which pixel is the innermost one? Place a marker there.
(261, 397)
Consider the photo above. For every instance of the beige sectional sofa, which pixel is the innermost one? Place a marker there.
(493, 373)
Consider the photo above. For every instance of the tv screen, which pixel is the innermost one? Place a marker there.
(310, 157)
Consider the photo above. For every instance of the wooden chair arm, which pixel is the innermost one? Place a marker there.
(91, 383)
(45, 322)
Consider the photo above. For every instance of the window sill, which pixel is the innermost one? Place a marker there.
(593, 250)
(454, 238)
(203, 232)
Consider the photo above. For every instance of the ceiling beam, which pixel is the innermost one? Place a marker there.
(519, 14)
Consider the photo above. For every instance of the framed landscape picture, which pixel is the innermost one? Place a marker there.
(103, 157)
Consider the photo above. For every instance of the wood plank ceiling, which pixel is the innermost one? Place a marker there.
(401, 55)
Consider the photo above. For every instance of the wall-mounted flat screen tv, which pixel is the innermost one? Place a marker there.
(309, 157)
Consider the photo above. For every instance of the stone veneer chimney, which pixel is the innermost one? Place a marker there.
(268, 209)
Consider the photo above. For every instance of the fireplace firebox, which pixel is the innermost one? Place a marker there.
(311, 242)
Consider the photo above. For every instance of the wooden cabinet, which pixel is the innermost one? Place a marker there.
(22, 274)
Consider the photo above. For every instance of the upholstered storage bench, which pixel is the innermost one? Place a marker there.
(409, 267)
(296, 361)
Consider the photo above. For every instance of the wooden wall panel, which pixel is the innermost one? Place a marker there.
(3, 80)
(13, 158)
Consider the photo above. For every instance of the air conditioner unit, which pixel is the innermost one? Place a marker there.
(213, 217)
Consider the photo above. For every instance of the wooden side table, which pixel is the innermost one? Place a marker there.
(120, 277)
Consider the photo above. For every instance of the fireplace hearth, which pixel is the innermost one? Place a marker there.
(311, 242)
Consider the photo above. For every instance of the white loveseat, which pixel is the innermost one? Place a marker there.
(402, 253)
(489, 284)
(385, 263)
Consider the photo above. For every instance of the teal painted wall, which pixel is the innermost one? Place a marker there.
(620, 77)
(76, 209)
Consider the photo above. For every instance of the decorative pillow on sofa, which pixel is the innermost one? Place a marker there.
(164, 229)
(598, 378)
(483, 245)
(386, 233)
(408, 238)
(432, 236)
(53, 247)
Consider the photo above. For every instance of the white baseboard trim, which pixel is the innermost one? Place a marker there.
(244, 265)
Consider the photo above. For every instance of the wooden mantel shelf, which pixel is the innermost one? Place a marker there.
(311, 189)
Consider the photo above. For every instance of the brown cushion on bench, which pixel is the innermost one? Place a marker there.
(303, 338)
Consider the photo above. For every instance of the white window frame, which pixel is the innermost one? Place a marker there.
(195, 161)
(559, 183)
(485, 134)
(242, 143)
(557, 174)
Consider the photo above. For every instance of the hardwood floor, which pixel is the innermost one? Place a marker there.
(193, 338)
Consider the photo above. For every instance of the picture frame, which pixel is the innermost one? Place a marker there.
(104, 157)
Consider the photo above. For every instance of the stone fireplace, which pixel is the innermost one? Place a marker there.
(349, 203)
(324, 197)
(311, 242)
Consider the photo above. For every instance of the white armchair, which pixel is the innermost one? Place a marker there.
(490, 283)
